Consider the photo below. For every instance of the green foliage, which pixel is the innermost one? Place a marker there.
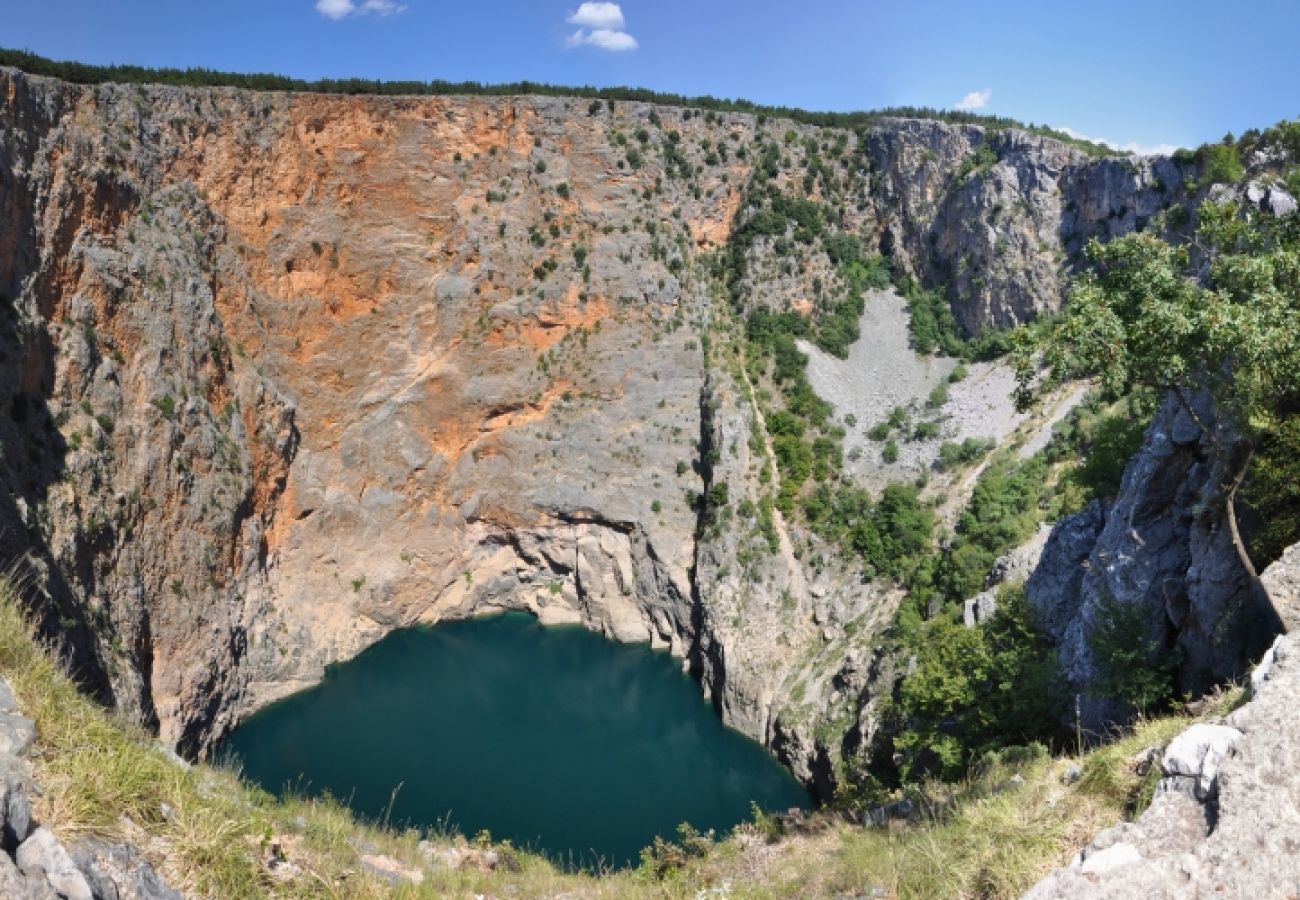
(1102, 438)
(1144, 318)
(932, 324)
(953, 455)
(1131, 664)
(976, 690)
(166, 405)
(939, 396)
(1003, 511)
(890, 452)
(1221, 164)
(934, 328)
(1272, 491)
(925, 431)
(1141, 318)
(665, 858)
(890, 535)
(979, 162)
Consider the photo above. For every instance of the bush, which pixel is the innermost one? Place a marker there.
(952, 455)
(1221, 164)
(925, 431)
(938, 397)
(890, 453)
(880, 431)
(1132, 666)
(977, 690)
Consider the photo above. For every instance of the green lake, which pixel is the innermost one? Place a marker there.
(556, 738)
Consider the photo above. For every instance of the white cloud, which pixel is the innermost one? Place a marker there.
(604, 38)
(599, 16)
(975, 100)
(342, 9)
(600, 25)
(1131, 146)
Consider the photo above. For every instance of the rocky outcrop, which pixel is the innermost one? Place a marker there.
(1163, 545)
(282, 373)
(34, 863)
(997, 219)
(1225, 821)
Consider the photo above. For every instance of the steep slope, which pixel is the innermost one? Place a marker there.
(1225, 820)
(282, 373)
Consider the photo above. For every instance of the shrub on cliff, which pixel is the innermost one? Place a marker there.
(1131, 664)
(975, 690)
(1222, 324)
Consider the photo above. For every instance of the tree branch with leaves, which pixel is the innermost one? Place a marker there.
(1219, 317)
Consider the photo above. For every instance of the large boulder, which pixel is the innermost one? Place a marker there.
(1164, 546)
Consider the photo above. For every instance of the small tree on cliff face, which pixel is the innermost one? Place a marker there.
(1228, 327)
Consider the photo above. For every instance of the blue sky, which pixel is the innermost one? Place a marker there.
(1128, 71)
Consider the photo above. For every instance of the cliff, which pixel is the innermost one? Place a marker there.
(281, 373)
(1224, 820)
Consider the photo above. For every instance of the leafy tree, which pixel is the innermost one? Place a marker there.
(977, 689)
(1145, 316)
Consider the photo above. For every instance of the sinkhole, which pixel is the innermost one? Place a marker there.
(557, 739)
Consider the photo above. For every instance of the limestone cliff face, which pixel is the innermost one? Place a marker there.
(1163, 545)
(281, 373)
(998, 218)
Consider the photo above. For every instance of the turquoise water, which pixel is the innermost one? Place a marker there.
(556, 738)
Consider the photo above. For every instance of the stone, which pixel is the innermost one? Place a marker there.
(979, 609)
(1280, 203)
(389, 870)
(16, 886)
(460, 855)
(119, 870)
(43, 855)
(1264, 668)
(1281, 580)
(1154, 550)
(1113, 857)
(1233, 833)
(16, 813)
(1197, 753)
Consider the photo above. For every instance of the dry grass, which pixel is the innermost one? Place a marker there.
(211, 834)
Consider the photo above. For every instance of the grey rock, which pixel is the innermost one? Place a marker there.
(1113, 857)
(16, 810)
(1280, 203)
(1264, 670)
(118, 871)
(1269, 197)
(1015, 566)
(1197, 754)
(1164, 547)
(1282, 582)
(42, 854)
(1053, 590)
(101, 886)
(979, 609)
(14, 885)
(1233, 836)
